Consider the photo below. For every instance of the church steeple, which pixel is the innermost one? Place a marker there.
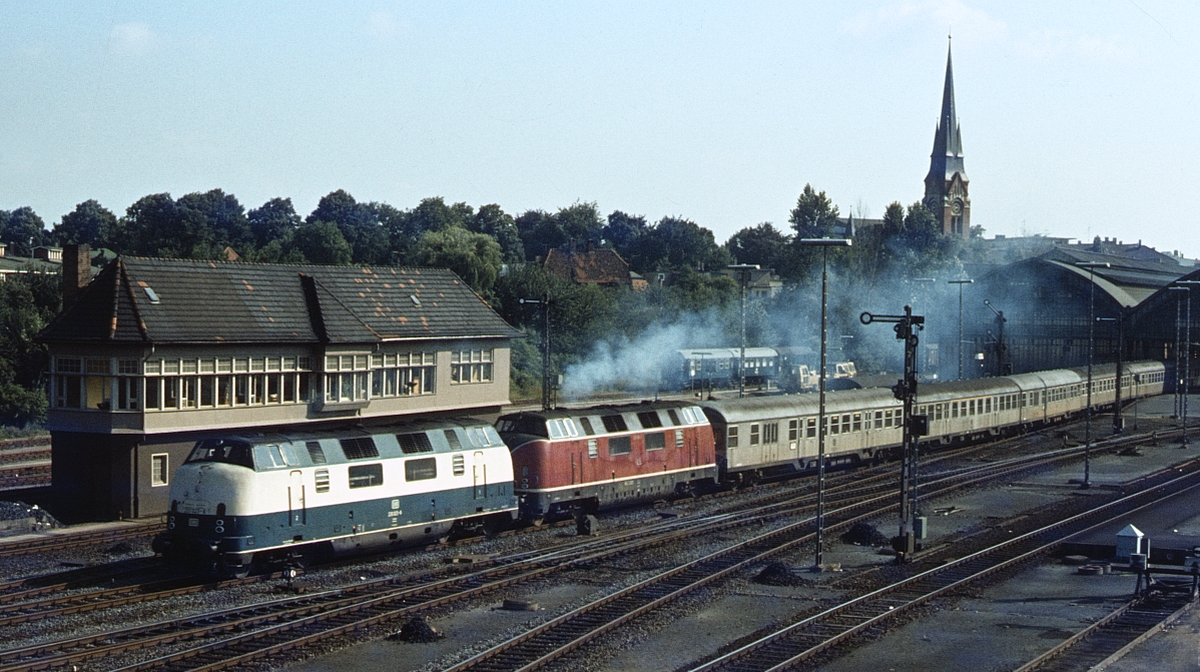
(946, 184)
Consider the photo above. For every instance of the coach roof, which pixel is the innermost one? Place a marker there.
(152, 300)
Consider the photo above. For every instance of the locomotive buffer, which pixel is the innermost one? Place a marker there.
(915, 426)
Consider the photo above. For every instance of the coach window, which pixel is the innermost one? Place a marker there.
(954, 409)
(834, 426)
(754, 434)
(367, 475)
(732, 440)
(593, 450)
(619, 445)
(846, 423)
(656, 441)
(858, 422)
(158, 469)
(878, 419)
(793, 429)
(810, 428)
(423, 469)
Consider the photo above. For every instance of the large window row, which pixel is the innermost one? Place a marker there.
(471, 366)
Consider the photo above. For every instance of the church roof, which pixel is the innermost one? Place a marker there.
(148, 300)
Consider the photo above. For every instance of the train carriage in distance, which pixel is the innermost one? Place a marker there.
(769, 437)
(572, 461)
(266, 498)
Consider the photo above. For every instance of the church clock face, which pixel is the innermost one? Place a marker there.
(956, 207)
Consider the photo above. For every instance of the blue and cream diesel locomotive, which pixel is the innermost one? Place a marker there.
(270, 498)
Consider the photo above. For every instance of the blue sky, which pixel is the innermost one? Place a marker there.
(1078, 119)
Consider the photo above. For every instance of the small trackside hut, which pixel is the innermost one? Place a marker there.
(579, 461)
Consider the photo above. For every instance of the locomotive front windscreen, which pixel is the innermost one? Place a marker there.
(229, 451)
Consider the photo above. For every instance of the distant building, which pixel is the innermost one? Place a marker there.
(599, 266)
(10, 265)
(761, 283)
(153, 354)
(946, 185)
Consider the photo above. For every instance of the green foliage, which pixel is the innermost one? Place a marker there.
(475, 257)
(360, 228)
(22, 230)
(273, 221)
(814, 216)
(763, 245)
(493, 221)
(28, 301)
(89, 223)
(322, 242)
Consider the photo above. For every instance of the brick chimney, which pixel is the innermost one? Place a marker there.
(77, 271)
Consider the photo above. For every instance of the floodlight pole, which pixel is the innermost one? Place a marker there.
(547, 379)
(960, 283)
(744, 270)
(1091, 267)
(1187, 354)
(824, 244)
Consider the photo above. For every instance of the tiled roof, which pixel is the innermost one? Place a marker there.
(147, 300)
(600, 266)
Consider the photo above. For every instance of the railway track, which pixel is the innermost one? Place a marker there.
(24, 475)
(309, 619)
(265, 629)
(59, 541)
(1113, 636)
(800, 642)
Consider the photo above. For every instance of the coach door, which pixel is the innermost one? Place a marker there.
(479, 473)
(298, 515)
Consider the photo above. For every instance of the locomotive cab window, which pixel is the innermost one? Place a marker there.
(366, 475)
(268, 457)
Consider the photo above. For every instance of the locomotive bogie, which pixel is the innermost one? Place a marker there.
(266, 498)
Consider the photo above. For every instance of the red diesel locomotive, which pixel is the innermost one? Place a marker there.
(579, 461)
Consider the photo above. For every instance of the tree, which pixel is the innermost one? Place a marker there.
(222, 216)
(22, 230)
(581, 223)
(625, 234)
(369, 241)
(154, 226)
(814, 216)
(493, 221)
(28, 301)
(540, 233)
(679, 242)
(760, 245)
(273, 220)
(322, 242)
(89, 223)
(474, 257)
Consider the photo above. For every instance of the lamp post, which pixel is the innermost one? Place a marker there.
(547, 379)
(1000, 321)
(824, 244)
(960, 283)
(744, 270)
(1187, 354)
(1091, 267)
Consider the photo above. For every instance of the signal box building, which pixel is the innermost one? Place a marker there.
(154, 354)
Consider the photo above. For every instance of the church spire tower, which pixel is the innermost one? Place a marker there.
(946, 184)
